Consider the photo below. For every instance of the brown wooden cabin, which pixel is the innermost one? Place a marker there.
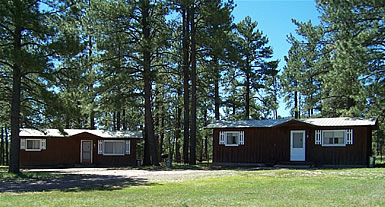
(77, 147)
(320, 141)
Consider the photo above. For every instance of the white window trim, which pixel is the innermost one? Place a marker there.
(32, 150)
(318, 137)
(108, 154)
(127, 146)
(333, 145)
(239, 138)
(100, 147)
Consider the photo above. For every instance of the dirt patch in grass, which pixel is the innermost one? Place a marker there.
(167, 175)
(83, 179)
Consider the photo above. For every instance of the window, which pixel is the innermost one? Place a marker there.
(333, 137)
(32, 144)
(231, 138)
(114, 147)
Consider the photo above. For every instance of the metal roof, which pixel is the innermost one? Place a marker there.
(246, 123)
(24, 132)
(340, 121)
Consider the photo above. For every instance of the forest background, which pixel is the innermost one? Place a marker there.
(169, 68)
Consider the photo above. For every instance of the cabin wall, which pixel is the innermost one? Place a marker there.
(355, 154)
(65, 151)
(272, 145)
(262, 145)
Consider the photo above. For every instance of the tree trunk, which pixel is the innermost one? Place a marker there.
(178, 128)
(114, 121)
(15, 121)
(202, 141)
(118, 120)
(216, 89)
(161, 130)
(146, 150)
(206, 138)
(296, 112)
(207, 148)
(6, 147)
(124, 122)
(234, 108)
(92, 119)
(149, 122)
(67, 121)
(193, 139)
(247, 101)
(186, 95)
(299, 105)
(147, 76)
(14, 166)
(171, 149)
(2, 160)
(349, 103)
(90, 86)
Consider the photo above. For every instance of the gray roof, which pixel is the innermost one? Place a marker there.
(71, 132)
(340, 121)
(246, 123)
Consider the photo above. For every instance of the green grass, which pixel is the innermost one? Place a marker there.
(326, 187)
(380, 160)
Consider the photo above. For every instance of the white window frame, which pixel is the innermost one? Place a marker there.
(334, 145)
(33, 150)
(108, 154)
(233, 132)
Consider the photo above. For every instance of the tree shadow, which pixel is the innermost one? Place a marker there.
(70, 183)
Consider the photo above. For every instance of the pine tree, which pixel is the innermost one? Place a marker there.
(30, 37)
(253, 56)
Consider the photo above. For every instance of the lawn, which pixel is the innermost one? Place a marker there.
(324, 187)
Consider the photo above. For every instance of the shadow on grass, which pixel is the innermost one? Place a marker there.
(32, 182)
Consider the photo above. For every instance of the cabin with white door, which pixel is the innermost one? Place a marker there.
(77, 147)
(338, 141)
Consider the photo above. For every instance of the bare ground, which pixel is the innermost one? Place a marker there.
(76, 179)
(175, 175)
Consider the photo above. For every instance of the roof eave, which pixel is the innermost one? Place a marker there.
(291, 121)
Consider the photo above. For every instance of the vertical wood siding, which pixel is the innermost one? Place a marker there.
(272, 145)
(66, 152)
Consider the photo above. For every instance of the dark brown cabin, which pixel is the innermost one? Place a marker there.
(75, 147)
(321, 141)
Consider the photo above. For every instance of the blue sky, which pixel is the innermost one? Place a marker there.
(274, 19)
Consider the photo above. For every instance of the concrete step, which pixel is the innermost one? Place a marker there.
(84, 165)
(295, 165)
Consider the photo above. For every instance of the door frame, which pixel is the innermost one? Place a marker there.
(81, 150)
(303, 144)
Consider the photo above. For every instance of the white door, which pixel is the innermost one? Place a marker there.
(297, 145)
(86, 152)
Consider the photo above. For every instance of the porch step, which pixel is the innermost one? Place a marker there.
(84, 165)
(295, 165)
